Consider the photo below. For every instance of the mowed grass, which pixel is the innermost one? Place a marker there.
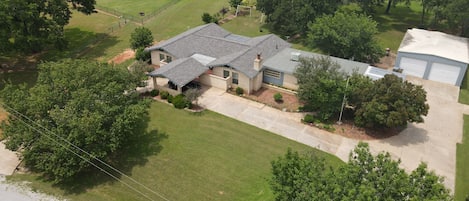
(200, 157)
(464, 90)
(393, 26)
(132, 7)
(462, 164)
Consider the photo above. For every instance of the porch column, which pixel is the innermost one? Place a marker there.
(154, 83)
(179, 89)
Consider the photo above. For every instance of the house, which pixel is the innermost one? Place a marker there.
(433, 56)
(215, 57)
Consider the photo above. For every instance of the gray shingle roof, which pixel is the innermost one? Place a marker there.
(180, 71)
(230, 50)
(281, 62)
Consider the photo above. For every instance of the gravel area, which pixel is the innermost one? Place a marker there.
(21, 192)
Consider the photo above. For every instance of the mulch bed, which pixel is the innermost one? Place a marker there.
(290, 102)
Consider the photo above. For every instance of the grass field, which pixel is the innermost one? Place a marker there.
(393, 26)
(132, 7)
(196, 157)
(462, 164)
(464, 90)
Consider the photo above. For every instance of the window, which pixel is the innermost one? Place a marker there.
(235, 78)
(272, 73)
(226, 73)
(161, 57)
(168, 58)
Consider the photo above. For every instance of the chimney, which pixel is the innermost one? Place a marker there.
(258, 62)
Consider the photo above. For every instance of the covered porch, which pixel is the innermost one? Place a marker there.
(175, 76)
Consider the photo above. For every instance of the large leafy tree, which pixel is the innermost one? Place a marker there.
(388, 102)
(346, 35)
(80, 101)
(364, 177)
(292, 17)
(139, 39)
(321, 85)
(30, 25)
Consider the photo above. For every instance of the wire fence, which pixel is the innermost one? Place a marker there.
(134, 18)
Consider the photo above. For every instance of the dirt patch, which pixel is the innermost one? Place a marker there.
(387, 62)
(290, 102)
(124, 56)
(3, 116)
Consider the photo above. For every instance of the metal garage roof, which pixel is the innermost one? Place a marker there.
(435, 43)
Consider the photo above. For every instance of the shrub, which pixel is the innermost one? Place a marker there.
(308, 118)
(154, 92)
(179, 101)
(170, 98)
(239, 90)
(328, 127)
(164, 95)
(207, 18)
(278, 97)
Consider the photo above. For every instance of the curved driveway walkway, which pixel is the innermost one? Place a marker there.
(433, 142)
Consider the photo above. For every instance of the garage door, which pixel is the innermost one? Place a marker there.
(444, 73)
(414, 67)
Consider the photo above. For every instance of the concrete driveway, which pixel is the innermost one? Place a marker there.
(433, 142)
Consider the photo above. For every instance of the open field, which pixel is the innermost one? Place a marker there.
(133, 8)
(462, 164)
(203, 156)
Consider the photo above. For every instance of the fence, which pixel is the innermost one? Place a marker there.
(133, 18)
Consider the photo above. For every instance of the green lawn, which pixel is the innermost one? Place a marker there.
(195, 157)
(132, 7)
(393, 26)
(462, 164)
(464, 90)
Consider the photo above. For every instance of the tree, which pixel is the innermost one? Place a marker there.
(394, 3)
(457, 15)
(389, 102)
(192, 95)
(141, 38)
(207, 18)
(292, 17)
(30, 25)
(346, 35)
(80, 101)
(368, 6)
(235, 3)
(321, 85)
(364, 177)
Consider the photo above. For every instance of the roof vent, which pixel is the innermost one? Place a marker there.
(295, 56)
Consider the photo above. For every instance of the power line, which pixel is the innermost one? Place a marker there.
(87, 153)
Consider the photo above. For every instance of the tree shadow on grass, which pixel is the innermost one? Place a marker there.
(134, 153)
(400, 18)
(79, 43)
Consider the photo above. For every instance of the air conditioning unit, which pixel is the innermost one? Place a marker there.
(295, 56)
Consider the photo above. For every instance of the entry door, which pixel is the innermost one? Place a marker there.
(414, 67)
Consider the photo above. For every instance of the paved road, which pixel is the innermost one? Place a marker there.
(433, 142)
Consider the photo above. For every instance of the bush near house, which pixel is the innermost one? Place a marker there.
(278, 97)
(164, 95)
(239, 90)
(170, 98)
(154, 92)
(179, 101)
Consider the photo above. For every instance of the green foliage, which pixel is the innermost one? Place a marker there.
(80, 101)
(368, 6)
(346, 35)
(192, 95)
(142, 55)
(389, 102)
(207, 18)
(154, 92)
(30, 26)
(170, 98)
(235, 3)
(321, 85)
(164, 95)
(140, 68)
(278, 97)
(239, 91)
(364, 177)
(292, 17)
(141, 37)
(309, 118)
(180, 101)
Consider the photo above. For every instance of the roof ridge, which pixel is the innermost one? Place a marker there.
(187, 33)
(224, 39)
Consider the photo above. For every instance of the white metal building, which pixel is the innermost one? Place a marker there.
(434, 56)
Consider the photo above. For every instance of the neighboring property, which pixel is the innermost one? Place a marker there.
(215, 57)
(434, 56)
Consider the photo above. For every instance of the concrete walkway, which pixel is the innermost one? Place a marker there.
(433, 142)
(8, 160)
